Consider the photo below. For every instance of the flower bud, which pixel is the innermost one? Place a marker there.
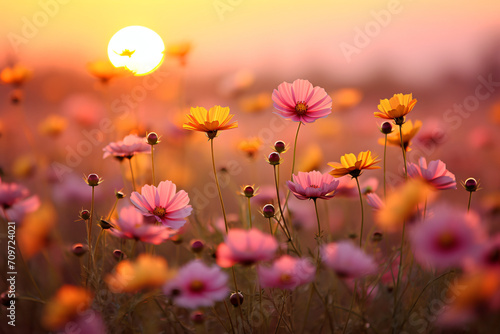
(197, 317)
(93, 180)
(85, 214)
(119, 194)
(274, 158)
(249, 191)
(5, 299)
(236, 298)
(118, 254)
(279, 146)
(376, 237)
(79, 249)
(386, 128)
(152, 138)
(268, 211)
(105, 225)
(471, 184)
(197, 246)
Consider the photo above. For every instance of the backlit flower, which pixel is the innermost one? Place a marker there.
(286, 273)
(131, 224)
(397, 107)
(105, 71)
(197, 285)
(313, 185)
(447, 238)
(347, 260)
(211, 121)
(127, 148)
(353, 166)
(144, 272)
(245, 247)
(409, 130)
(300, 102)
(163, 203)
(15, 75)
(250, 146)
(53, 125)
(435, 174)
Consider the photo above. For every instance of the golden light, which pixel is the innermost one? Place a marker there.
(138, 49)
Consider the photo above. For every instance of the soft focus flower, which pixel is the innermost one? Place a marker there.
(127, 148)
(300, 102)
(255, 103)
(197, 285)
(313, 185)
(250, 146)
(346, 98)
(353, 166)
(16, 202)
(68, 303)
(236, 82)
(286, 273)
(15, 75)
(396, 107)
(489, 254)
(211, 121)
(180, 51)
(245, 247)
(472, 296)
(131, 224)
(408, 130)
(401, 204)
(105, 71)
(311, 159)
(374, 201)
(34, 233)
(447, 238)
(24, 166)
(53, 126)
(163, 203)
(435, 174)
(144, 272)
(347, 260)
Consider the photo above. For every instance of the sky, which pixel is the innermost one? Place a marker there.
(415, 40)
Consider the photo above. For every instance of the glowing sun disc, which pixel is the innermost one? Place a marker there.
(138, 49)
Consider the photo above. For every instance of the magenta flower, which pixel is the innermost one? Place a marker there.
(447, 239)
(131, 224)
(286, 273)
(300, 102)
(127, 148)
(16, 202)
(313, 185)
(163, 203)
(435, 174)
(245, 247)
(347, 260)
(197, 284)
(489, 255)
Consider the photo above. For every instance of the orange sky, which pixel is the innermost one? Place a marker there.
(289, 37)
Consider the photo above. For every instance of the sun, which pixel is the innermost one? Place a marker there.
(138, 49)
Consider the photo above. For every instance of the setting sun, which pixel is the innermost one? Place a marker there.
(139, 49)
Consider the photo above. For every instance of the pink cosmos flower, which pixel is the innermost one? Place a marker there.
(313, 185)
(245, 247)
(131, 224)
(447, 238)
(163, 203)
(197, 284)
(489, 254)
(127, 148)
(286, 273)
(300, 102)
(347, 260)
(16, 202)
(435, 174)
(375, 201)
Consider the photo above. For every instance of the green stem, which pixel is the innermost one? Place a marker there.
(217, 183)
(132, 173)
(403, 149)
(112, 209)
(295, 149)
(249, 213)
(470, 198)
(271, 227)
(317, 219)
(385, 154)
(229, 316)
(362, 213)
(89, 236)
(153, 164)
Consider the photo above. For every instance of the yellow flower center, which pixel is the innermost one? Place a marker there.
(196, 286)
(159, 211)
(285, 278)
(301, 108)
(447, 241)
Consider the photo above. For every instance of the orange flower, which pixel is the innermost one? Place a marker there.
(250, 146)
(66, 305)
(53, 126)
(105, 71)
(180, 51)
(146, 272)
(346, 98)
(352, 166)
(34, 233)
(15, 75)
(397, 107)
(256, 103)
(408, 130)
(210, 122)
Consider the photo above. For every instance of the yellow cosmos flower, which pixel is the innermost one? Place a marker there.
(211, 121)
(353, 166)
(105, 71)
(15, 75)
(66, 305)
(396, 108)
(408, 129)
(250, 146)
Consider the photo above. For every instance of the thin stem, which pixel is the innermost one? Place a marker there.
(132, 173)
(362, 213)
(308, 305)
(229, 316)
(281, 315)
(32, 279)
(249, 213)
(97, 242)
(217, 183)
(317, 219)
(271, 227)
(112, 209)
(385, 154)
(403, 149)
(470, 198)
(89, 236)
(295, 149)
(425, 207)
(350, 307)
(153, 164)
(237, 291)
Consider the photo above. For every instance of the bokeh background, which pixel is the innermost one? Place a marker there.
(447, 53)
